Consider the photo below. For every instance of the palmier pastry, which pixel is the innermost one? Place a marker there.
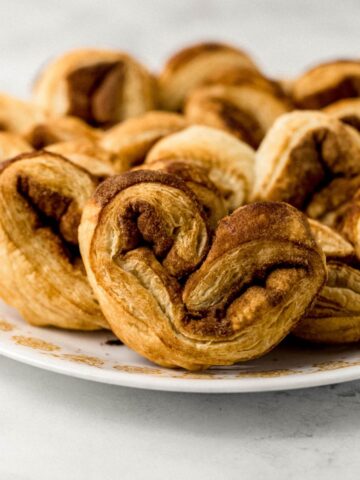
(59, 129)
(17, 116)
(87, 154)
(178, 297)
(327, 83)
(194, 66)
(348, 111)
(335, 317)
(244, 111)
(12, 145)
(227, 161)
(132, 139)
(102, 87)
(197, 179)
(41, 272)
(310, 160)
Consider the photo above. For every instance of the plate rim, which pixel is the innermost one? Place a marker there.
(183, 385)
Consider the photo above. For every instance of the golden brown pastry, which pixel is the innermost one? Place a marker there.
(349, 223)
(41, 272)
(12, 145)
(240, 75)
(59, 129)
(338, 206)
(178, 297)
(335, 317)
(327, 83)
(17, 116)
(197, 179)
(245, 111)
(102, 87)
(89, 155)
(227, 161)
(310, 160)
(194, 66)
(334, 245)
(331, 204)
(132, 139)
(348, 111)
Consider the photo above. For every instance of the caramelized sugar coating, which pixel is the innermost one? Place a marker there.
(132, 139)
(181, 297)
(228, 162)
(102, 87)
(327, 83)
(41, 271)
(194, 66)
(245, 111)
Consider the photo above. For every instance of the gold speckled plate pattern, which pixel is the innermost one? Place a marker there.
(94, 356)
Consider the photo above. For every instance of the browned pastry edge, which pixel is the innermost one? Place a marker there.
(132, 139)
(113, 185)
(186, 171)
(348, 87)
(189, 53)
(38, 153)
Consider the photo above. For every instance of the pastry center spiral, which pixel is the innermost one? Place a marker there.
(53, 210)
(92, 90)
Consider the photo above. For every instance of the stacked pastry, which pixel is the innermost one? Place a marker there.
(181, 210)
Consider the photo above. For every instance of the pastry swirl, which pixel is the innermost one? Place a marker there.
(197, 179)
(194, 66)
(41, 272)
(181, 298)
(327, 83)
(335, 317)
(309, 160)
(244, 110)
(227, 161)
(102, 87)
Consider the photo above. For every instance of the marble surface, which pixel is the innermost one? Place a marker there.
(54, 427)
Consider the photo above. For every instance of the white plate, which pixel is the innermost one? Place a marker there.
(89, 356)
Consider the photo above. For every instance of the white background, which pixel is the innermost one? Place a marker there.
(53, 427)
